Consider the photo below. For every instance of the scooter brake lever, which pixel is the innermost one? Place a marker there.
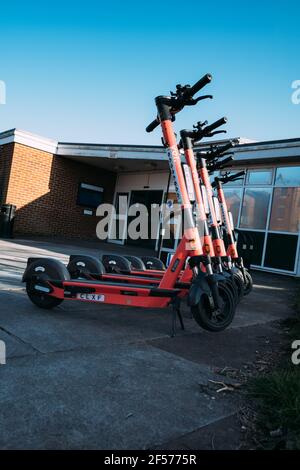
(211, 134)
(204, 97)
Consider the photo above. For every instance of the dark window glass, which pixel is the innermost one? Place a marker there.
(255, 208)
(233, 199)
(89, 197)
(260, 177)
(281, 251)
(250, 246)
(285, 215)
(288, 176)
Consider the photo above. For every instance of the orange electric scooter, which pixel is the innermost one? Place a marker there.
(48, 281)
(210, 162)
(211, 235)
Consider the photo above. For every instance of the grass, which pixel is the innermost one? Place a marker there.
(277, 395)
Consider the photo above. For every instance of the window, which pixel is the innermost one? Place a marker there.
(285, 215)
(89, 195)
(288, 176)
(250, 246)
(259, 177)
(233, 199)
(281, 251)
(255, 208)
(213, 175)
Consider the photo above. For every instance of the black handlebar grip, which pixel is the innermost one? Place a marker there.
(152, 125)
(226, 147)
(240, 173)
(200, 84)
(224, 162)
(214, 125)
(237, 175)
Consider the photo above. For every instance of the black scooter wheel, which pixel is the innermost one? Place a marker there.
(231, 286)
(41, 300)
(215, 320)
(239, 284)
(248, 285)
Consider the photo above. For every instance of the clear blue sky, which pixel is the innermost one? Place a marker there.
(89, 71)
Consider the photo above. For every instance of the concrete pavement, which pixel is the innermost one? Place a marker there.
(83, 376)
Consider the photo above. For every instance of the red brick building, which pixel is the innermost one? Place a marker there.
(43, 178)
(57, 186)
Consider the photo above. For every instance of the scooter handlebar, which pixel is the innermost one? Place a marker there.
(223, 163)
(214, 125)
(199, 85)
(183, 97)
(224, 148)
(236, 176)
(152, 125)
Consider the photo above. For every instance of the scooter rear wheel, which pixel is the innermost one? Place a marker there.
(215, 319)
(41, 300)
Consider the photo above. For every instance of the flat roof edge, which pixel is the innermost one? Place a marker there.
(115, 150)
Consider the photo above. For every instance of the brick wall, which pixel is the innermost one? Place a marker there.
(6, 153)
(44, 189)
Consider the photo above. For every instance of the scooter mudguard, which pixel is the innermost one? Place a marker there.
(54, 269)
(202, 285)
(84, 265)
(227, 275)
(198, 288)
(235, 271)
(116, 264)
(136, 262)
(153, 263)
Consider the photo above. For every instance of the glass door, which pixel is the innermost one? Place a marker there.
(118, 225)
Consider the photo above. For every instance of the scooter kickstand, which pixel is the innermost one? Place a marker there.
(176, 312)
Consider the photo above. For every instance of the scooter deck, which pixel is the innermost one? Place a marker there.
(140, 281)
(109, 292)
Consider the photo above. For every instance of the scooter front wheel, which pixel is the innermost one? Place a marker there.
(248, 286)
(239, 284)
(210, 318)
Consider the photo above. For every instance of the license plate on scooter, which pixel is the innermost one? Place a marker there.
(91, 297)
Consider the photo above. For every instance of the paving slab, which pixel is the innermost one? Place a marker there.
(83, 376)
(117, 398)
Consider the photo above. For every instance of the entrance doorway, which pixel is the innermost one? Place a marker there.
(146, 198)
